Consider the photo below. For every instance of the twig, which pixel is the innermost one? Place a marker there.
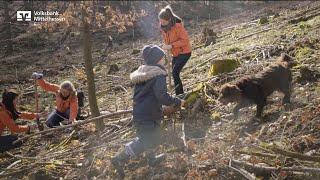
(15, 172)
(269, 169)
(258, 154)
(76, 124)
(94, 158)
(63, 142)
(21, 157)
(10, 166)
(243, 172)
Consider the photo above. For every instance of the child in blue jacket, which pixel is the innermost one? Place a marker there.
(150, 93)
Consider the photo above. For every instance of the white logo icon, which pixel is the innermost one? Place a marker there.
(23, 15)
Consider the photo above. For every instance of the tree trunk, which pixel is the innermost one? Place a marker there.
(89, 70)
(9, 48)
(94, 14)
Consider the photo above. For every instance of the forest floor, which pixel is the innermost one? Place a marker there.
(287, 138)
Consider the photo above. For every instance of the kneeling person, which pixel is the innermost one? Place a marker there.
(66, 101)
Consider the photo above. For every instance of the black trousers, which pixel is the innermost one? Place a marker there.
(6, 143)
(177, 64)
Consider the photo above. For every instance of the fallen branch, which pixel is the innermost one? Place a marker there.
(249, 35)
(243, 172)
(258, 154)
(294, 154)
(20, 157)
(303, 18)
(269, 169)
(76, 124)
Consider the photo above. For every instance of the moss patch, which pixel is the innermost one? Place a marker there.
(303, 52)
(263, 20)
(223, 66)
(233, 50)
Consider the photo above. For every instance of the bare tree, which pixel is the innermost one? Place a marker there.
(87, 55)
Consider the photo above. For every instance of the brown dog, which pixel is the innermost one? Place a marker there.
(255, 89)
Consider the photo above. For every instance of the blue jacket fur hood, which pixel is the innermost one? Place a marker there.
(150, 93)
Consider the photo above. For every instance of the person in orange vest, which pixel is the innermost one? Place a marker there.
(8, 115)
(176, 40)
(66, 101)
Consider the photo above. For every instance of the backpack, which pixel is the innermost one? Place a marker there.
(80, 96)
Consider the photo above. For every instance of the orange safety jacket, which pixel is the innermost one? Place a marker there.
(61, 105)
(178, 37)
(6, 120)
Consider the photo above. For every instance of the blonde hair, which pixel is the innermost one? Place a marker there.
(67, 85)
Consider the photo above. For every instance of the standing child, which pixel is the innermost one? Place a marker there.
(177, 40)
(150, 93)
(8, 115)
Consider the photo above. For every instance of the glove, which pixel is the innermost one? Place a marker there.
(36, 75)
(169, 110)
(74, 121)
(167, 47)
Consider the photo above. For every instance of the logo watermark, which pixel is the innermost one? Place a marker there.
(39, 16)
(23, 15)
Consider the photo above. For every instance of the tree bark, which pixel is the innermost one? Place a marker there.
(9, 48)
(89, 71)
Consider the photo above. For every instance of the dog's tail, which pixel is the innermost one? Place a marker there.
(287, 59)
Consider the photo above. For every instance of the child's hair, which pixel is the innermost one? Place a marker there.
(69, 86)
(167, 14)
(7, 100)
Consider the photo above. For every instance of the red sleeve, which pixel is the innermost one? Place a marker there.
(9, 122)
(183, 37)
(48, 86)
(28, 115)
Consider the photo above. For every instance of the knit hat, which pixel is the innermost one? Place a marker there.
(152, 54)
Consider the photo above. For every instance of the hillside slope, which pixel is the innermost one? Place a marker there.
(285, 138)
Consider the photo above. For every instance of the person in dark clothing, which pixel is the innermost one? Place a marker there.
(176, 40)
(150, 93)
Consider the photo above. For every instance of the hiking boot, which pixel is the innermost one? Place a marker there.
(119, 161)
(155, 160)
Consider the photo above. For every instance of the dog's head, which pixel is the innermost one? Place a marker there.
(287, 59)
(229, 93)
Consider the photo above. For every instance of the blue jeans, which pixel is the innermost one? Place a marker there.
(147, 138)
(177, 64)
(56, 117)
(6, 143)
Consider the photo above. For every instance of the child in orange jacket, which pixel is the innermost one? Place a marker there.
(176, 40)
(8, 116)
(66, 101)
